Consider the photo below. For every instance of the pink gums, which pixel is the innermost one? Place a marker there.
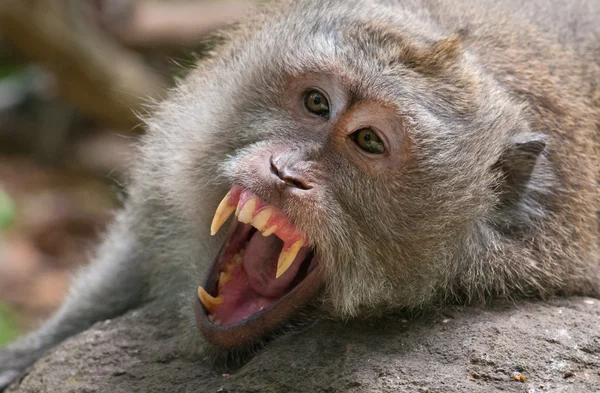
(286, 231)
(253, 286)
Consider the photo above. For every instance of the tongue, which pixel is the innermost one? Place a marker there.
(260, 264)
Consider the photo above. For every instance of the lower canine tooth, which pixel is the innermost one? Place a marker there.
(286, 258)
(223, 212)
(207, 300)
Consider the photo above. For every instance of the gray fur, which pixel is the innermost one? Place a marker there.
(406, 239)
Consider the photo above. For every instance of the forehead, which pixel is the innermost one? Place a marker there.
(313, 38)
(360, 43)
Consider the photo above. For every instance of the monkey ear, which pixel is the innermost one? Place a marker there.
(517, 165)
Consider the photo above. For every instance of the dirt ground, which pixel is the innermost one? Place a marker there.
(531, 347)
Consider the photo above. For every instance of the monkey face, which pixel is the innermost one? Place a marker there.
(283, 196)
(357, 173)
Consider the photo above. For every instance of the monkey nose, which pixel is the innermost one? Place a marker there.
(289, 177)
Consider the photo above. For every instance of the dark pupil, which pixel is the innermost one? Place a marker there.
(368, 141)
(317, 104)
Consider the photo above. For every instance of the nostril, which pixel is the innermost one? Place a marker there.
(289, 179)
(297, 183)
(274, 169)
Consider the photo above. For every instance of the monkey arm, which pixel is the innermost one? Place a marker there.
(113, 283)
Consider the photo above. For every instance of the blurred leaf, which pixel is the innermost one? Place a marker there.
(7, 211)
(7, 70)
(8, 330)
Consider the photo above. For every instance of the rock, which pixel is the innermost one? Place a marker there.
(468, 349)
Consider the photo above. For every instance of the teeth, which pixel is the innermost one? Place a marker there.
(207, 300)
(245, 214)
(224, 278)
(237, 259)
(214, 320)
(260, 220)
(269, 231)
(227, 274)
(286, 258)
(221, 215)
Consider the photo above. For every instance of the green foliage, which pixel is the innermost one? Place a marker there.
(7, 211)
(8, 330)
(7, 71)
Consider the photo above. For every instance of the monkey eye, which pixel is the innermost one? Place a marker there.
(366, 139)
(315, 102)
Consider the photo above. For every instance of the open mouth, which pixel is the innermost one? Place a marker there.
(263, 275)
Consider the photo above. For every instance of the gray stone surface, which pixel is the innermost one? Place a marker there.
(555, 344)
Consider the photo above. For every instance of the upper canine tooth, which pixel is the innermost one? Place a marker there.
(260, 220)
(223, 212)
(245, 214)
(286, 258)
(207, 300)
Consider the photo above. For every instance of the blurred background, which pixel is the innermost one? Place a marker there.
(73, 76)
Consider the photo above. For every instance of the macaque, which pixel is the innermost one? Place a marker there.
(350, 158)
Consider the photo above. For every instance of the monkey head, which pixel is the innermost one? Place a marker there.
(358, 163)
